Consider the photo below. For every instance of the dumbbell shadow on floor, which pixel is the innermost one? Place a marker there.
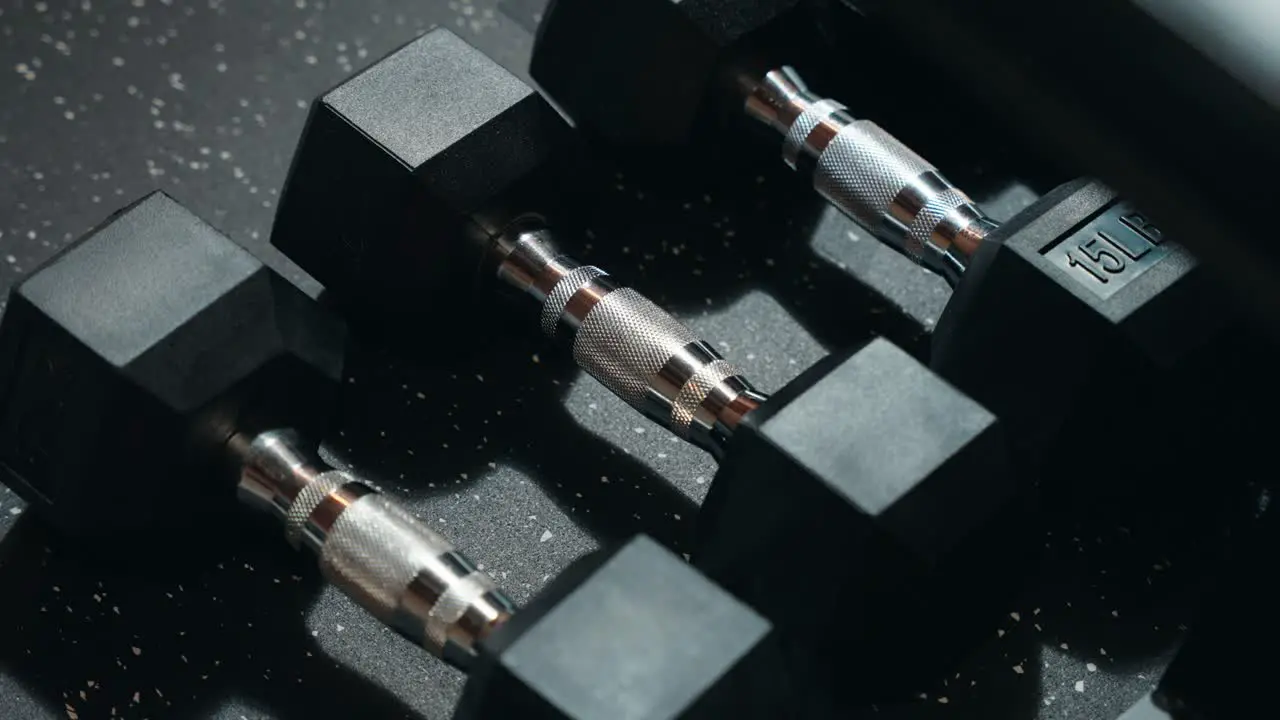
(699, 241)
(409, 420)
(867, 473)
(504, 399)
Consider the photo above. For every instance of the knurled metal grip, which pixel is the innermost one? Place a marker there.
(308, 499)
(862, 170)
(794, 141)
(553, 308)
(870, 176)
(633, 347)
(407, 575)
(625, 341)
(378, 554)
(699, 387)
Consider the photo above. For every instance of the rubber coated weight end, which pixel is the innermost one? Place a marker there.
(395, 164)
(126, 360)
(642, 71)
(865, 483)
(1090, 336)
(630, 632)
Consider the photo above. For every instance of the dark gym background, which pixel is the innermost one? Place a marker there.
(520, 459)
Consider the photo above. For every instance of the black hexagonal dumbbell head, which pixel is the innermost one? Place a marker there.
(401, 164)
(129, 358)
(647, 71)
(1118, 344)
(632, 632)
(851, 508)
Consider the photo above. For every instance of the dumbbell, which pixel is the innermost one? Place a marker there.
(155, 370)
(1060, 319)
(414, 190)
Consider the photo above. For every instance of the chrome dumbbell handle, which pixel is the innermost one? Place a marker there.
(633, 347)
(870, 175)
(372, 549)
